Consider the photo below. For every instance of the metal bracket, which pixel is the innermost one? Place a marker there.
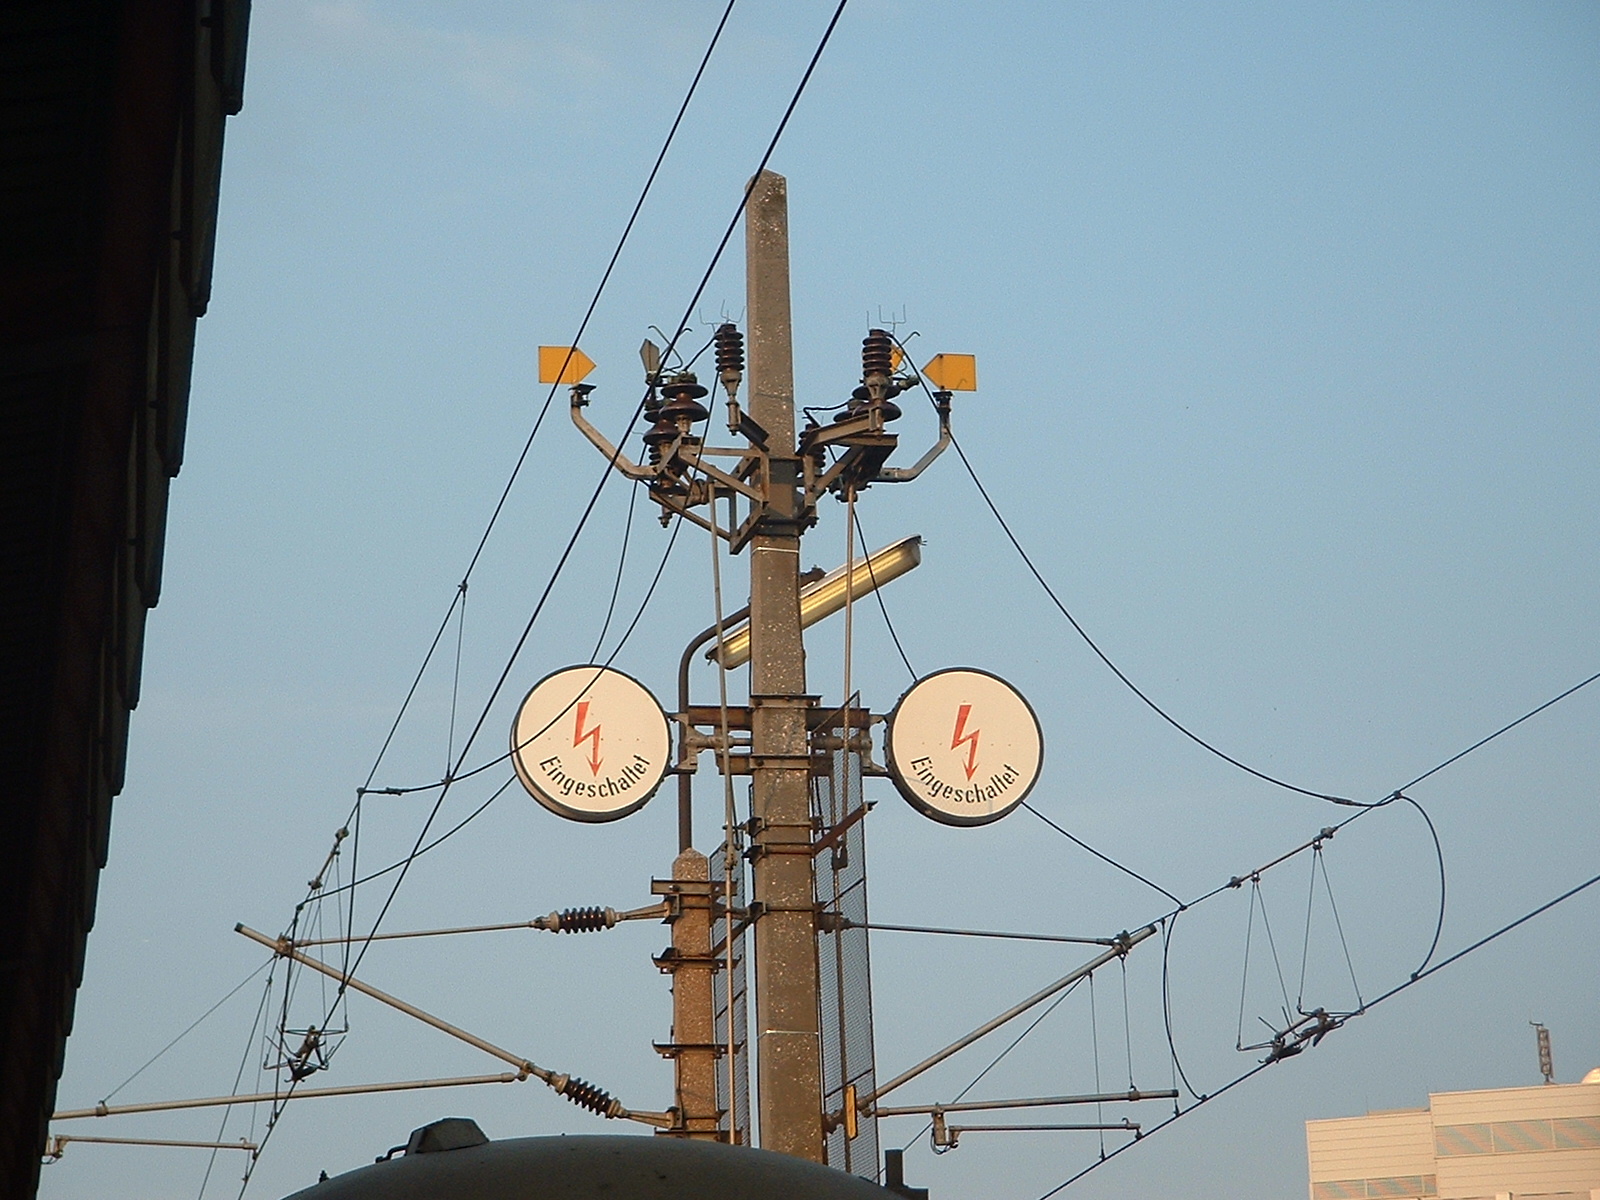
(580, 401)
(673, 1049)
(941, 404)
(838, 831)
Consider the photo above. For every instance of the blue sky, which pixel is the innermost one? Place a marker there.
(1286, 320)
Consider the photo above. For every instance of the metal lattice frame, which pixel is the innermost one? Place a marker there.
(733, 1072)
(844, 971)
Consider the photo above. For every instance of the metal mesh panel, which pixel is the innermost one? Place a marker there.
(733, 1072)
(843, 965)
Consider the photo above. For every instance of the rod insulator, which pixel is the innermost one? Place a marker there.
(877, 354)
(583, 920)
(730, 348)
(587, 1095)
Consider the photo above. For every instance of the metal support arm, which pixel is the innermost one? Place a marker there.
(282, 1095)
(1124, 943)
(941, 402)
(949, 1136)
(580, 400)
(576, 1090)
(696, 460)
(961, 1106)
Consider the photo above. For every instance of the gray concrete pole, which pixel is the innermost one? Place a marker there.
(788, 1046)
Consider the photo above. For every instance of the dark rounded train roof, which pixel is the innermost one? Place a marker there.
(592, 1168)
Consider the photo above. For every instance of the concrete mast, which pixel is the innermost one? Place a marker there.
(788, 1045)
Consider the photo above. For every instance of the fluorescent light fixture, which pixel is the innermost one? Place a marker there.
(827, 595)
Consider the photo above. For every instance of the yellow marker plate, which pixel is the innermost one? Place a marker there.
(953, 372)
(563, 364)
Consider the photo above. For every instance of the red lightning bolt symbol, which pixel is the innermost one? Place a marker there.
(971, 739)
(580, 735)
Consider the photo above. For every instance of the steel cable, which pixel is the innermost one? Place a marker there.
(1371, 1004)
(459, 597)
(877, 592)
(605, 477)
(1106, 858)
(190, 1028)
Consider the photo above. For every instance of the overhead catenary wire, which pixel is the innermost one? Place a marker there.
(1258, 901)
(1438, 849)
(498, 792)
(605, 277)
(1391, 798)
(644, 603)
(244, 1061)
(1235, 882)
(459, 597)
(979, 933)
(1315, 844)
(1168, 925)
(1106, 858)
(1370, 1005)
(456, 776)
(1180, 726)
(638, 615)
(1364, 806)
(1168, 921)
(438, 841)
(1105, 658)
(188, 1029)
(588, 509)
(594, 302)
(998, 1058)
(583, 324)
(616, 583)
(1419, 976)
(404, 866)
(1506, 728)
(908, 666)
(1319, 862)
(455, 676)
(533, 432)
(883, 607)
(671, 346)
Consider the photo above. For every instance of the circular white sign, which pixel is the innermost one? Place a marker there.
(590, 744)
(964, 747)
